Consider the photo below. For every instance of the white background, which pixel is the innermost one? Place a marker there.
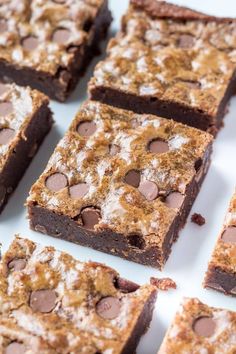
(190, 255)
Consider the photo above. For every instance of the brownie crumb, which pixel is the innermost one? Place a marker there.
(163, 284)
(198, 219)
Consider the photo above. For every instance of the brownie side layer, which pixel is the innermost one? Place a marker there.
(220, 280)
(141, 325)
(167, 109)
(60, 86)
(24, 152)
(61, 226)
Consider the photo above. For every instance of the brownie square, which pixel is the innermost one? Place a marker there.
(198, 328)
(121, 183)
(221, 274)
(48, 44)
(25, 119)
(52, 303)
(172, 62)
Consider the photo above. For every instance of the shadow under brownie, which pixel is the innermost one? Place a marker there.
(48, 44)
(221, 274)
(25, 120)
(172, 62)
(121, 183)
(52, 303)
(199, 328)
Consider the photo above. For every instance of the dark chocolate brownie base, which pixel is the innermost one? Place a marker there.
(24, 152)
(219, 280)
(152, 105)
(131, 248)
(60, 86)
(142, 325)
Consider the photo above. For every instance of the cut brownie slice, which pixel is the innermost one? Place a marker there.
(170, 61)
(221, 274)
(25, 119)
(198, 328)
(48, 44)
(49, 300)
(121, 183)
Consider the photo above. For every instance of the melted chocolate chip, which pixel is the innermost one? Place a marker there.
(90, 217)
(61, 36)
(30, 43)
(186, 41)
(6, 135)
(3, 88)
(108, 308)
(133, 178)
(229, 235)
(43, 301)
(56, 182)
(158, 146)
(86, 128)
(204, 326)
(149, 190)
(126, 286)
(15, 348)
(174, 200)
(17, 264)
(78, 190)
(6, 108)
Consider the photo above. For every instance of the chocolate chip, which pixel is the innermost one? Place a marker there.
(6, 108)
(136, 241)
(198, 164)
(15, 348)
(186, 41)
(6, 135)
(114, 149)
(133, 178)
(56, 182)
(30, 43)
(126, 286)
(43, 300)
(149, 190)
(78, 190)
(17, 264)
(61, 36)
(90, 217)
(229, 235)
(108, 308)
(158, 146)
(198, 219)
(3, 25)
(174, 200)
(86, 128)
(3, 88)
(204, 326)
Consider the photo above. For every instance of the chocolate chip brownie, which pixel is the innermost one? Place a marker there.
(170, 61)
(25, 119)
(198, 328)
(51, 303)
(221, 274)
(121, 183)
(48, 44)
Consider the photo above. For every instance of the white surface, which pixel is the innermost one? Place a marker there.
(190, 255)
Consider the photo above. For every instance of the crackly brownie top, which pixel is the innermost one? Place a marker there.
(224, 255)
(189, 61)
(118, 170)
(198, 328)
(17, 107)
(44, 34)
(51, 300)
